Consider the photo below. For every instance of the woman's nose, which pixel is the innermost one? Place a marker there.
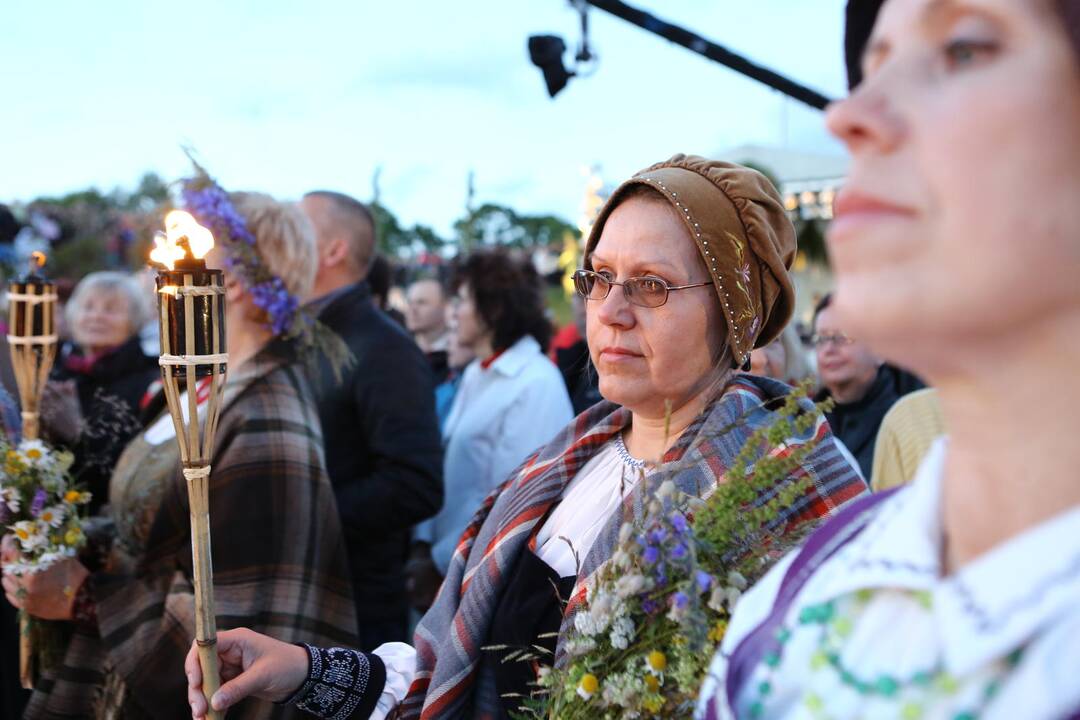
(615, 309)
(865, 121)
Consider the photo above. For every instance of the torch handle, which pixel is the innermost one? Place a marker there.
(205, 622)
(208, 660)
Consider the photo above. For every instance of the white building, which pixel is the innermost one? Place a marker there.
(808, 180)
(808, 183)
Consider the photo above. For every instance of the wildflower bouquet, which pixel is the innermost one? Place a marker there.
(39, 506)
(655, 613)
(42, 509)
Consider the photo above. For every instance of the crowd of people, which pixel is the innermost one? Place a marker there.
(386, 529)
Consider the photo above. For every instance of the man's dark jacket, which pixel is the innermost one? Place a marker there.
(856, 424)
(383, 448)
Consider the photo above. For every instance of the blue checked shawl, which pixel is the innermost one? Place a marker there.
(452, 680)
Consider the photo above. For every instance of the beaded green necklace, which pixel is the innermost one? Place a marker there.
(835, 629)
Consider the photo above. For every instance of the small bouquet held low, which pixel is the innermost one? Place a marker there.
(43, 511)
(655, 613)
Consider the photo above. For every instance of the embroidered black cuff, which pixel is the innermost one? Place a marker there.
(341, 683)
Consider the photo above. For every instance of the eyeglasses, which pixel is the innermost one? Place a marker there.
(838, 339)
(650, 292)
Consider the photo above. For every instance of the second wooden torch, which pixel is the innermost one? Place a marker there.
(32, 340)
(191, 303)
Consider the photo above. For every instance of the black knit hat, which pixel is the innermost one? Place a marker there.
(858, 25)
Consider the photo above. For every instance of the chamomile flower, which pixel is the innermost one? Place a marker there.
(588, 686)
(34, 453)
(53, 516)
(30, 534)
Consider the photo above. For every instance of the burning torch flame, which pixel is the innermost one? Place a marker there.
(180, 225)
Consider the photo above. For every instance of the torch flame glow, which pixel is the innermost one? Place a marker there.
(166, 251)
(180, 225)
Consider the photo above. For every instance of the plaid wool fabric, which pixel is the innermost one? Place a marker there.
(279, 561)
(451, 680)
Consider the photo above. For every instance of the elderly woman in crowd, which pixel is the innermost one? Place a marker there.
(278, 555)
(92, 401)
(685, 272)
(511, 400)
(958, 596)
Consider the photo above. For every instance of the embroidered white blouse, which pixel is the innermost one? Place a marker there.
(895, 616)
(587, 502)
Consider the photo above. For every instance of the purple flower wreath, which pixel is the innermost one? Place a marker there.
(210, 205)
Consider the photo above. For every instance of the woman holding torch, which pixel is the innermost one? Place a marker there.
(276, 567)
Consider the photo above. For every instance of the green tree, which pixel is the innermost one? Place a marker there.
(393, 240)
(492, 224)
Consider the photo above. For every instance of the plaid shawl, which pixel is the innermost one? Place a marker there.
(452, 681)
(279, 561)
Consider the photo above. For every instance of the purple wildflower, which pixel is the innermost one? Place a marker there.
(678, 521)
(273, 297)
(651, 554)
(211, 206)
(704, 580)
(679, 551)
(38, 503)
(651, 607)
(658, 535)
(680, 600)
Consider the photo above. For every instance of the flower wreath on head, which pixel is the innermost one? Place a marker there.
(209, 203)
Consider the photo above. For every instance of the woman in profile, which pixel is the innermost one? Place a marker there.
(959, 595)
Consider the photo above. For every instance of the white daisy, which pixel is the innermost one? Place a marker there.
(53, 516)
(30, 534)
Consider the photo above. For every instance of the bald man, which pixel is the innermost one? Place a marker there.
(383, 449)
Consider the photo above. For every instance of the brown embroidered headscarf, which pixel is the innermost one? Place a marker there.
(744, 235)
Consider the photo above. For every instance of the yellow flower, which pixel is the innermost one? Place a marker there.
(73, 536)
(12, 456)
(33, 454)
(72, 496)
(588, 686)
(652, 683)
(716, 633)
(653, 704)
(657, 661)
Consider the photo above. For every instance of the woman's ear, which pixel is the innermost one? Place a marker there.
(234, 290)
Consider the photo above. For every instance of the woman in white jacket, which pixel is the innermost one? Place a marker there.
(511, 400)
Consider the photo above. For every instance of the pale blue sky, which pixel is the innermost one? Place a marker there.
(288, 97)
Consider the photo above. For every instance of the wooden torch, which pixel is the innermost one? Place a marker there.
(191, 302)
(32, 341)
